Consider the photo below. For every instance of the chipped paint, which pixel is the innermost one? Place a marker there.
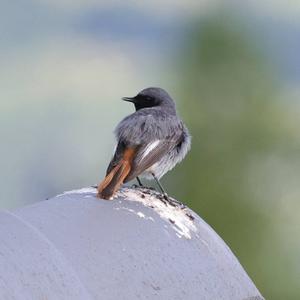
(138, 213)
(177, 217)
(174, 215)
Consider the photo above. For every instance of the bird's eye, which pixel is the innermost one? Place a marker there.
(148, 98)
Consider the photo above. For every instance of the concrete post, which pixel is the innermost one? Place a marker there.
(76, 246)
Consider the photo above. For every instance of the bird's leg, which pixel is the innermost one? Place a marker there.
(139, 181)
(172, 202)
(160, 186)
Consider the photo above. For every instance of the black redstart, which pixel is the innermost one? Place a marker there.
(150, 142)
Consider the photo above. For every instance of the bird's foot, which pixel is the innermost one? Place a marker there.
(136, 186)
(173, 202)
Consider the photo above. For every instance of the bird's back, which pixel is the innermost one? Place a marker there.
(146, 125)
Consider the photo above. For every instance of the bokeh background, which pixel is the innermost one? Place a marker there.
(233, 68)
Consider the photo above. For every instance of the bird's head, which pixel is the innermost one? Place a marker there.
(152, 97)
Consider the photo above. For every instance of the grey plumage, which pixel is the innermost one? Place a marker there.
(158, 134)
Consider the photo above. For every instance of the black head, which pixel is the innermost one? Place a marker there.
(152, 97)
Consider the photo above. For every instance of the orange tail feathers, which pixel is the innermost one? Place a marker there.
(117, 175)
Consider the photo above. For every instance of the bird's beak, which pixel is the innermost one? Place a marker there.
(128, 99)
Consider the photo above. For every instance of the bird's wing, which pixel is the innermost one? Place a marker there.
(120, 148)
(148, 154)
(152, 137)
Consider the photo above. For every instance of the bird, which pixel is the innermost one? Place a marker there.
(150, 142)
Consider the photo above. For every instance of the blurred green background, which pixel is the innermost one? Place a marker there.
(233, 68)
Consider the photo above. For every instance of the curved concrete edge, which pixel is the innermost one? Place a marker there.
(134, 247)
(31, 264)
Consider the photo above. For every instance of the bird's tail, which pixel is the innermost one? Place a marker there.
(114, 179)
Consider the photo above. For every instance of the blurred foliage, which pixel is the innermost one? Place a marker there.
(229, 104)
